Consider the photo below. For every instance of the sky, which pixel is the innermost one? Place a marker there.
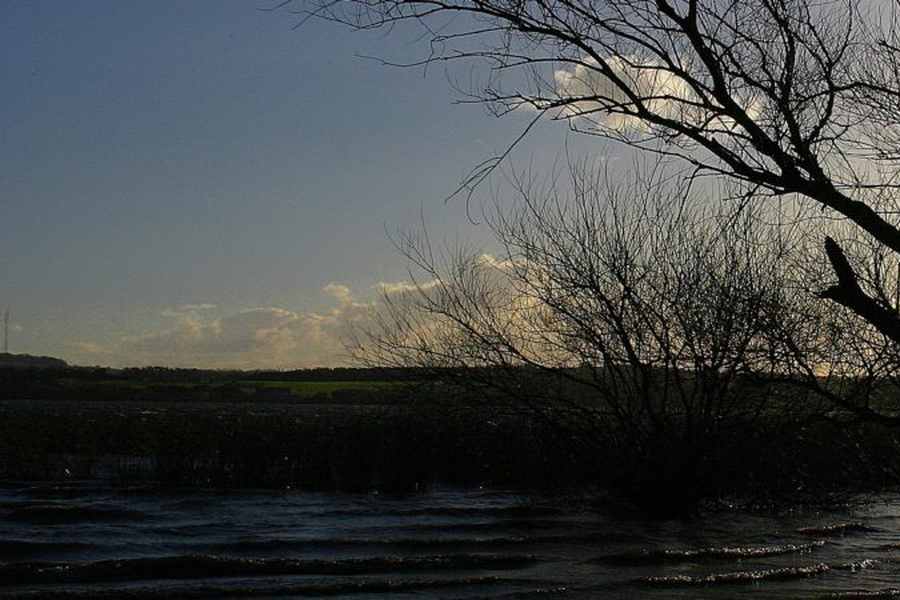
(202, 184)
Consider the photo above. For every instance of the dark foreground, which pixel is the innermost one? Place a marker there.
(152, 499)
(409, 446)
(88, 540)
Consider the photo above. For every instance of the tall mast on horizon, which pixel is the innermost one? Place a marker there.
(6, 331)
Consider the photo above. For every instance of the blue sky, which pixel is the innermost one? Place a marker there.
(184, 182)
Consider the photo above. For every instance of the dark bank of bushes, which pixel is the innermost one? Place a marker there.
(404, 438)
(407, 448)
(761, 463)
(358, 449)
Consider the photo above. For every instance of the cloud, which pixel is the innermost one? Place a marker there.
(339, 292)
(196, 307)
(399, 288)
(187, 309)
(90, 348)
(266, 337)
(666, 93)
(492, 262)
(663, 92)
(256, 338)
(396, 289)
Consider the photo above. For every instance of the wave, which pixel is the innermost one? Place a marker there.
(553, 591)
(24, 549)
(299, 545)
(837, 529)
(781, 574)
(885, 593)
(726, 552)
(188, 504)
(519, 511)
(856, 565)
(504, 525)
(737, 576)
(67, 513)
(195, 528)
(211, 567)
(243, 589)
(308, 544)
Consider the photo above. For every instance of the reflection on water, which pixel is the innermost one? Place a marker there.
(88, 540)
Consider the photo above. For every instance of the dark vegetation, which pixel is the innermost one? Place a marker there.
(153, 384)
(186, 433)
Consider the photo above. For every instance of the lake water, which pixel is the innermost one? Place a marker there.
(86, 539)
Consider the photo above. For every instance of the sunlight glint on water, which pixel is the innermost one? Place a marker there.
(88, 540)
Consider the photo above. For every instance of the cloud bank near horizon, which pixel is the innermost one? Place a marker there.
(254, 338)
(204, 336)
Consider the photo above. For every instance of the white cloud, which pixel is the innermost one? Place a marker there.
(196, 307)
(397, 288)
(255, 338)
(664, 94)
(187, 309)
(491, 261)
(667, 92)
(267, 337)
(339, 292)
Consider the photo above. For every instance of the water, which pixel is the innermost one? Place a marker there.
(86, 539)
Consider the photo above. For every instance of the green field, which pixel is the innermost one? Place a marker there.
(313, 388)
(299, 389)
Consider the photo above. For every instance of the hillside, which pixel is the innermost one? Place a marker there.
(26, 361)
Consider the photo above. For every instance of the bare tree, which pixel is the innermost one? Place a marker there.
(629, 315)
(789, 97)
(843, 357)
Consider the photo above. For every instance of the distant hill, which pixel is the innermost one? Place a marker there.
(26, 361)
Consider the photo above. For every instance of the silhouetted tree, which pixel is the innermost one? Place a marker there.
(786, 96)
(631, 316)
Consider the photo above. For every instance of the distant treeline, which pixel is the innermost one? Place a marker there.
(163, 383)
(61, 370)
(27, 361)
(141, 385)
